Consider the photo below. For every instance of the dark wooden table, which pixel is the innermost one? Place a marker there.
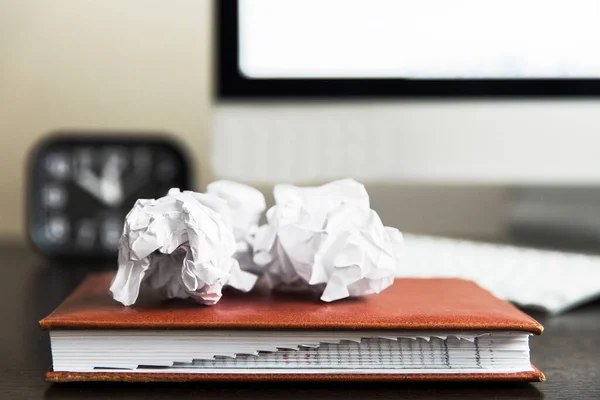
(568, 352)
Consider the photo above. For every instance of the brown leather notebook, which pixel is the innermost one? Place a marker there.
(418, 329)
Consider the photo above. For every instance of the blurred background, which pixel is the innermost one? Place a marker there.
(487, 132)
(89, 66)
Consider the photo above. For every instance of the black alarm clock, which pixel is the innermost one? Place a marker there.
(81, 187)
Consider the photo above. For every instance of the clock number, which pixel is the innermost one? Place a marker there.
(86, 233)
(142, 160)
(57, 229)
(111, 233)
(57, 166)
(54, 196)
(166, 169)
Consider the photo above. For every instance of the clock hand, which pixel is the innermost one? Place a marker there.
(111, 185)
(88, 181)
(138, 178)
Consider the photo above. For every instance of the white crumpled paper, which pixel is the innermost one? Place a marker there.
(329, 238)
(247, 205)
(181, 244)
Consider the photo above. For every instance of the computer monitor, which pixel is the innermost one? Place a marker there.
(408, 91)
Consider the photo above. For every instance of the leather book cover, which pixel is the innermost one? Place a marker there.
(60, 377)
(409, 304)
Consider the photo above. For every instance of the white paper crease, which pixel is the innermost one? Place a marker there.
(182, 245)
(247, 205)
(327, 238)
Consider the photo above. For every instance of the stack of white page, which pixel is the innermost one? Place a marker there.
(283, 352)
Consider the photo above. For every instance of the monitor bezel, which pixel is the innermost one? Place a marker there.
(232, 84)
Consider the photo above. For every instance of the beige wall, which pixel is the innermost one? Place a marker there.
(92, 64)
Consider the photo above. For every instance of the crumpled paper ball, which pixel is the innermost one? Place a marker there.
(181, 244)
(247, 205)
(327, 238)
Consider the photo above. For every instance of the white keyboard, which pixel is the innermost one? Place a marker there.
(551, 280)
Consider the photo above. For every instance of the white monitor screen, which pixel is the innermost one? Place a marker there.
(419, 39)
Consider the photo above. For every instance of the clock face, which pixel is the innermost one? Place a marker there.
(80, 190)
